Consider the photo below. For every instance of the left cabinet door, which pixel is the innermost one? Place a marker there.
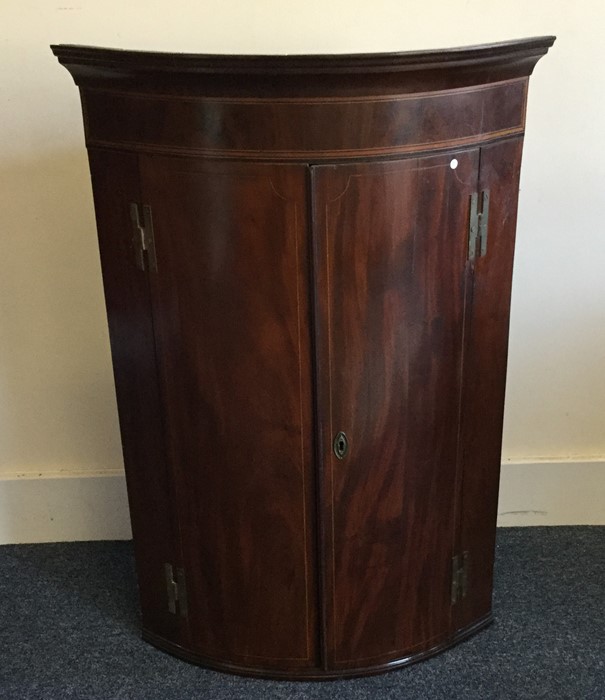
(115, 179)
(231, 316)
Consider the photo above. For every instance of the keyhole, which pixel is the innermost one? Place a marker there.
(341, 445)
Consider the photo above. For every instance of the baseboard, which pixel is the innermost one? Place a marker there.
(63, 506)
(70, 506)
(549, 492)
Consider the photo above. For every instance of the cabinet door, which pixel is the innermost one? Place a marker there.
(391, 249)
(231, 322)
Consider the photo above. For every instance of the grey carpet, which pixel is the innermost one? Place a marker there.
(69, 629)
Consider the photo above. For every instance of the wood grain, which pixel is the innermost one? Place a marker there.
(231, 318)
(352, 74)
(305, 129)
(490, 279)
(115, 179)
(311, 219)
(392, 247)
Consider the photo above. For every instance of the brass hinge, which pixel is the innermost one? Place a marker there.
(142, 238)
(176, 590)
(459, 576)
(477, 225)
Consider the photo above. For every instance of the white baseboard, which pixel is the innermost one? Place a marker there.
(549, 492)
(63, 506)
(70, 506)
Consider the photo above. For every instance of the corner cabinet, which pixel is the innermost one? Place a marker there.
(307, 266)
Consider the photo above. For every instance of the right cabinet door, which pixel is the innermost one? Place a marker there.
(391, 243)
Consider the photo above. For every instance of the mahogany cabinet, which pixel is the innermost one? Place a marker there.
(307, 265)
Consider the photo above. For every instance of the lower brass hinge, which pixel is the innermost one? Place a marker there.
(460, 564)
(477, 225)
(176, 590)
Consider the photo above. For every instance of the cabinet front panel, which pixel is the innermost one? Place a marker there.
(231, 318)
(485, 375)
(391, 256)
(306, 128)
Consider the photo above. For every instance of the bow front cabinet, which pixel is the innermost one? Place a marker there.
(307, 267)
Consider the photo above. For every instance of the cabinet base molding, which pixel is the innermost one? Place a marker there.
(315, 674)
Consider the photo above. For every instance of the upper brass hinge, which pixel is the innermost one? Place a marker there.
(460, 563)
(176, 590)
(142, 238)
(477, 225)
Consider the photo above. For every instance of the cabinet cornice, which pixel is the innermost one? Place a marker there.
(371, 73)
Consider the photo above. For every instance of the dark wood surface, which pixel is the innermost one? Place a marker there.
(392, 244)
(231, 318)
(311, 235)
(345, 74)
(232, 327)
(317, 674)
(153, 507)
(485, 356)
(120, 60)
(305, 129)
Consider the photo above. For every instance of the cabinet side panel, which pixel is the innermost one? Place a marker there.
(115, 179)
(391, 251)
(230, 300)
(485, 376)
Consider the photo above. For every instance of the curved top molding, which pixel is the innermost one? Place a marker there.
(92, 66)
(166, 62)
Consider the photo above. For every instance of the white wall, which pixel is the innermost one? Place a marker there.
(57, 406)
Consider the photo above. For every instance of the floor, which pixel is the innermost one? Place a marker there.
(69, 628)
